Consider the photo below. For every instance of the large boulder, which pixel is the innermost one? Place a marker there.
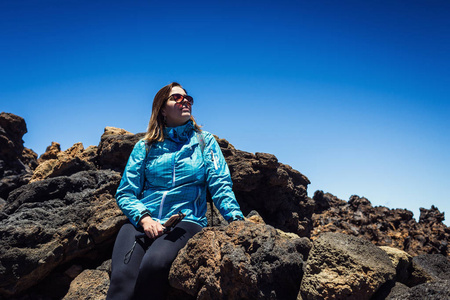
(115, 147)
(340, 266)
(243, 260)
(275, 190)
(50, 222)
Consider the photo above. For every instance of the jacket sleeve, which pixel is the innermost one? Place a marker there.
(219, 180)
(131, 185)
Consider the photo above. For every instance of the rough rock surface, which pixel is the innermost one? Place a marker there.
(345, 267)
(90, 284)
(429, 268)
(16, 161)
(61, 227)
(241, 261)
(438, 290)
(50, 222)
(73, 160)
(12, 129)
(402, 262)
(381, 225)
(276, 191)
(115, 148)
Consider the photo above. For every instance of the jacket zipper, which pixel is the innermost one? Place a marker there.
(161, 205)
(196, 201)
(165, 193)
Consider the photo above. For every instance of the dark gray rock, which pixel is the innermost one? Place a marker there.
(429, 268)
(438, 290)
(276, 191)
(48, 223)
(114, 150)
(16, 162)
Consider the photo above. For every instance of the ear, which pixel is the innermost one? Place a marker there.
(163, 112)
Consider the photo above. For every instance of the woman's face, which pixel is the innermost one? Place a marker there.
(176, 113)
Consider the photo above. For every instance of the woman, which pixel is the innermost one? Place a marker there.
(168, 172)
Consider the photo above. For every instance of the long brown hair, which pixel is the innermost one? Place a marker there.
(156, 125)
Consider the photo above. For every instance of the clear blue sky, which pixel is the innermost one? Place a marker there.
(353, 94)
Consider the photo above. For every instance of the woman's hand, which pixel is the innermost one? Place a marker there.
(152, 228)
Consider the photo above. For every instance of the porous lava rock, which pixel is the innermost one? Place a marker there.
(275, 190)
(243, 260)
(381, 225)
(341, 266)
(61, 227)
(50, 222)
(55, 163)
(429, 268)
(90, 284)
(115, 147)
(16, 161)
(402, 262)
(438, 290)
(12, 129)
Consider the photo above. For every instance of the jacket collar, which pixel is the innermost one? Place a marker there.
(180, 133)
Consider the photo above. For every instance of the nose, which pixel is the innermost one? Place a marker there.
(186, 102)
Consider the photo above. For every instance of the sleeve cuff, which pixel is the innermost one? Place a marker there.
(143, 214)
(236, 218)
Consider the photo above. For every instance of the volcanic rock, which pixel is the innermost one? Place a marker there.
(429, 268)
(16, 161)
(73, 160)
(61, 227)
(90, 284)
(438, 290)
(115, 148)
(276, 191)
(340, 266)
(50, 222)
(243, 260)
(381, 225)
(12, 129)
(402, 262)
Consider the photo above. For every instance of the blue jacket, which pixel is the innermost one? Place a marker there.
(173, 177)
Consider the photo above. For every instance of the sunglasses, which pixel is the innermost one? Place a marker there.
(180, 98)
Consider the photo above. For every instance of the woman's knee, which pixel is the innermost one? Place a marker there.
(157, 263)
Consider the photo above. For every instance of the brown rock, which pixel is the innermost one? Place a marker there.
(51, 152)
(401, 261)
(115, 148)
(340, 266)
(66, 163)
(381, 225)
(241, 261)
(90, 284)
(12, 129)
(16, 162)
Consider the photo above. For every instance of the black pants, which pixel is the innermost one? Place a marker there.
(145, 275)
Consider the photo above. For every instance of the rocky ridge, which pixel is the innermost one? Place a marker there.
(58, 221)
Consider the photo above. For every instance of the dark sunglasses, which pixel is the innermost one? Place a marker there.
(179, 98)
